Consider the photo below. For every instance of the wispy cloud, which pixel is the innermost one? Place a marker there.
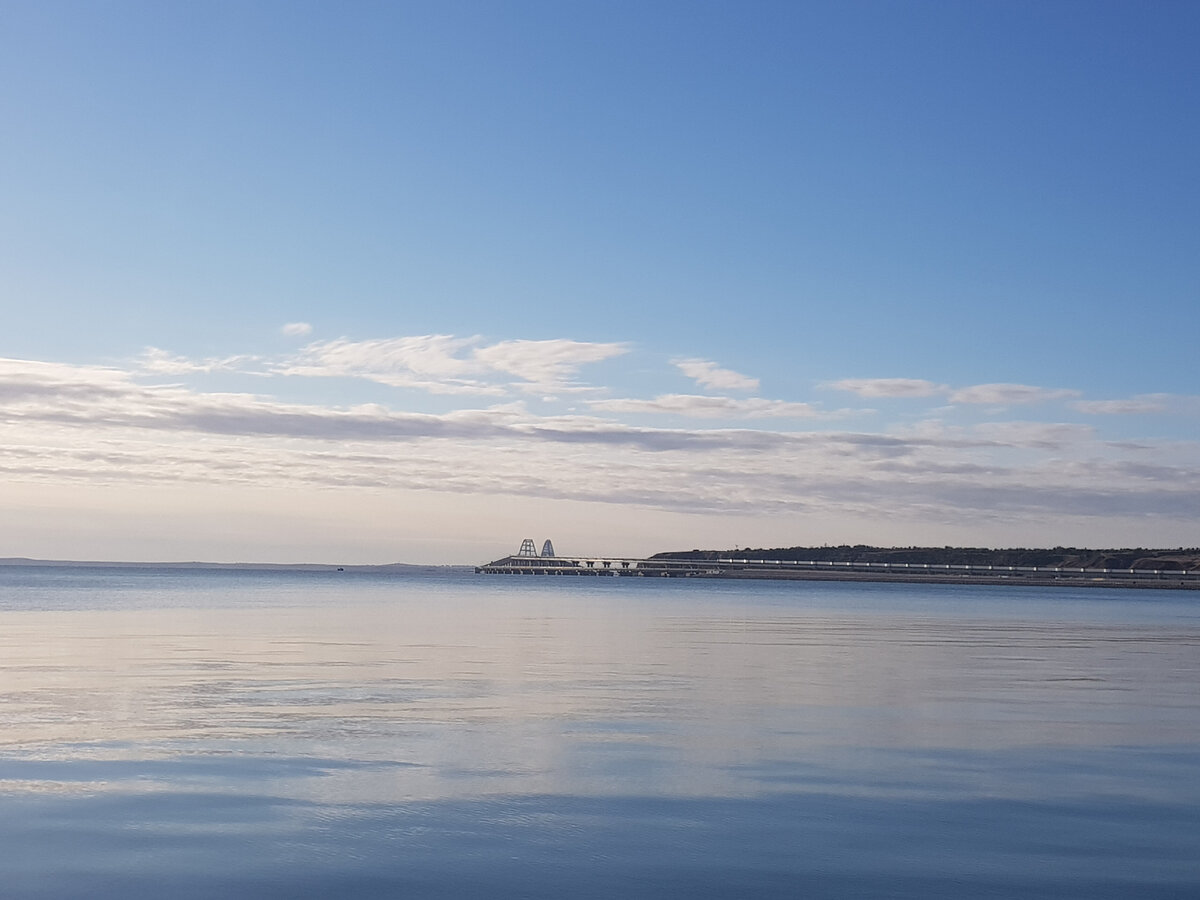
(982, 394)
(160, 362)
(98, 397)
(889, 387)
(296, 329)
(442, 363)
(1040, 435)
(702, 407)
(710, 375)
(1009, 394)
(433, 362)
(549, 365)
(98, 424)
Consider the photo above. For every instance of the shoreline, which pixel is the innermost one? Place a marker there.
(921, 578)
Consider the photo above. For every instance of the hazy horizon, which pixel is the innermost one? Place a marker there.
(334, 564)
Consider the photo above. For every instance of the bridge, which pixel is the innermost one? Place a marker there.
(596, 565)
(728, 567)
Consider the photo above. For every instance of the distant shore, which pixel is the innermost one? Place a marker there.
(1140, 567)
(1179, 558)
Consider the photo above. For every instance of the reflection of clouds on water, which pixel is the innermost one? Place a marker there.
(543, 692)
(533, 738)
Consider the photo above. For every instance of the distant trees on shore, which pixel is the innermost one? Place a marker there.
(1074, 557)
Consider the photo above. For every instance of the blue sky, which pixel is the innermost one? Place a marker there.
(412, 281)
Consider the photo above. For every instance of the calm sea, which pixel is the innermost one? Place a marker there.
(205, 734)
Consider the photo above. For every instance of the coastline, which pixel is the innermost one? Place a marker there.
(923, 578)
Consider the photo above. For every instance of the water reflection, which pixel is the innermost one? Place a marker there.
(724, 738)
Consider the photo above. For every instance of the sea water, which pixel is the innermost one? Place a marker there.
(196, 734)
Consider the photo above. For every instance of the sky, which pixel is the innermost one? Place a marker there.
(409, 282)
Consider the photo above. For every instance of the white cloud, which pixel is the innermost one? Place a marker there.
(429, 355)
(710, 375)
(1009, 394)
(296, 329)
(888, 387)
(546, 364)
(160, 362)
(98, 398)
(432, 362)
(702, 407)
(442, 363)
